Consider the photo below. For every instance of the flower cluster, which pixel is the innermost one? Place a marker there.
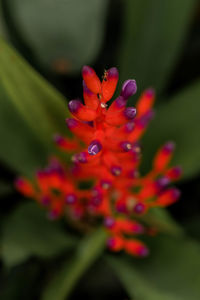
(106, 153)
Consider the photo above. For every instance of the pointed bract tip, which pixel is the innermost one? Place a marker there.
(112, 72)
(169, 147)
(87, 70)
(150, 93)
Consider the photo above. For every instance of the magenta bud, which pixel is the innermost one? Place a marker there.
(45, 200)
(143, 251)
(133, 174)
(176, 194)
(169, 147)
(116, 170)
(80, 157)
(109, 222)
(176, 172)
(96, 197)
(19, 182)
(138, 228)
(87, 70)
(150, 93)
(70, 199)
(112, 73)
(85, 89)
(53, 215)
(130, 113)
(162, 182)
(74, 106)
(129, 127)
(58, 139)
(146, 118)
(126, 146)
(71, 123)
(139, 208)
(121, 207)
(110, 243)
(120, 102)
(94, 148)
(105, 184)
(129, 88)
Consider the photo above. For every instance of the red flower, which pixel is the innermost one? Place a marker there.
(107, 154)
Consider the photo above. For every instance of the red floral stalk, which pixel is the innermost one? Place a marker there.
(106, 152)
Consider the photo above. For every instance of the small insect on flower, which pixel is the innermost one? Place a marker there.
(106, 153)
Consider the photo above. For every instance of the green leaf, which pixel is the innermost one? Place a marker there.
(177, 120)
(90, 248)
(31, 112)
(152, 38)
(161, 219)
(68, 35)
(27, 232)
(5, 188)
(171, 272)
(21, 282)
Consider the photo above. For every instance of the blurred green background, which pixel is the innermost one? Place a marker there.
(158, 44)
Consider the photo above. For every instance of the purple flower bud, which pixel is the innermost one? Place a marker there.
(145, 119)
(130, 113)
(112, 73)
(71, 123)
(70, 199)
(116, 170)
(94, 148)
(169, 147)
(139, 208)
(120, 102)
(129, 127)
(133, 174)
(58, 139)
(105, 184)
(162, 182)
(110, 243)
(45, 200)
(80, 157)
(150, 92)
(126, 146)
(138, 228)
(85, 89)
(74, 106)
(129, 88)
(53, 215)
(176, 193)
(109, 222)
(144, 251)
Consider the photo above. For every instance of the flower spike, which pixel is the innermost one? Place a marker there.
(103, 182)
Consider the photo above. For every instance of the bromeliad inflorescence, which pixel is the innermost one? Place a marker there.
(106, 153)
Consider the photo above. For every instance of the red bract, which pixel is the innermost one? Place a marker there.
(106, 153)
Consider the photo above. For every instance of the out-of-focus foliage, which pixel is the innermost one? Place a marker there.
(153, 35)
(178, 119)
(31, 111)
(89, 249)
(161, 276)
(27, 233)
(62, 36)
